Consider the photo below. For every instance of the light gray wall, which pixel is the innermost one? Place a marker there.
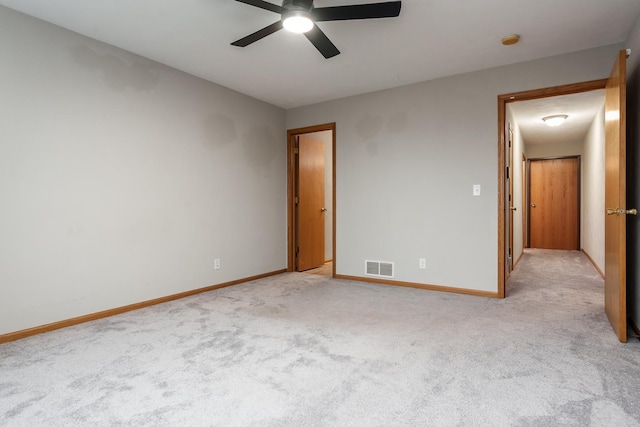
(406, 162)
(592, 191)
(633, 175)
(325, 137)
(122, 179)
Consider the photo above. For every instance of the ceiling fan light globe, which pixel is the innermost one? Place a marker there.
(297, 21)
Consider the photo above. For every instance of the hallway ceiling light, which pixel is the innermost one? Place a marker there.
(556, 120)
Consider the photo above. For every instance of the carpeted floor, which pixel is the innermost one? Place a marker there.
(307, 350)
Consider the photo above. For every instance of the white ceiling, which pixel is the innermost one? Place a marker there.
(581, 109)
(430, 39)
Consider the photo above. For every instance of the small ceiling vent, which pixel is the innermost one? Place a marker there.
(378, 269)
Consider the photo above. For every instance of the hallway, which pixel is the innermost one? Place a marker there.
(562, 284)
(550, 274)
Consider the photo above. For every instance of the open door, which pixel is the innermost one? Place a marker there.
(512, 208)
(310, 204)
(615, 198)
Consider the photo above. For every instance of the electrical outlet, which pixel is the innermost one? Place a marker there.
(216, 264)
(422, 263)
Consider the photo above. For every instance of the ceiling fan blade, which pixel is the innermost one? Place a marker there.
(263, 5)
(246, 41)
(389, 9)
(322, 42)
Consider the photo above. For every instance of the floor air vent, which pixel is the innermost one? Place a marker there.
(378, 268)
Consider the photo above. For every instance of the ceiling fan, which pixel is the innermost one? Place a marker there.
(300, 16)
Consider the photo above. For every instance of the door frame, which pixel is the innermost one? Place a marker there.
(579, 187)
(525, 201)
(291, 191)
(503, 100)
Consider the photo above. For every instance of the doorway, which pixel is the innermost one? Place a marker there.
(554, 210)
(614, 114)
(504, 206)
(311, 199)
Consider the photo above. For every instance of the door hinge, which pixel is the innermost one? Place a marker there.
(296, 150)
(297, 249)
(296, 200)
(507, 172)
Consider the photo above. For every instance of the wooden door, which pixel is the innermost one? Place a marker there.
(510, 260)
(554, 203)
(525, 196)
(310, 206)
(615, 199)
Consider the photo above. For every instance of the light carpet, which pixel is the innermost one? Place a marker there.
(307, 350)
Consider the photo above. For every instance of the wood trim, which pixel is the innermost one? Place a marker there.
(525, 205)
(502, 164)
(312, 129)
(333, 195)
(554, 91)
(13, 336)
(420, 286)
(572, 156)
(291, 190)
(600, 272)
(579, 206)
(291, 211)
(503, 100)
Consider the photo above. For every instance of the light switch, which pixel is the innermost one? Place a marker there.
(476, 189)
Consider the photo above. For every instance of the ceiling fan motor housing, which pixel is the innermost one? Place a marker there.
(303, 5)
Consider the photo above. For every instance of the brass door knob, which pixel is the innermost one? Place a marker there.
(622, 211)
(533, 205)
(323, 209)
